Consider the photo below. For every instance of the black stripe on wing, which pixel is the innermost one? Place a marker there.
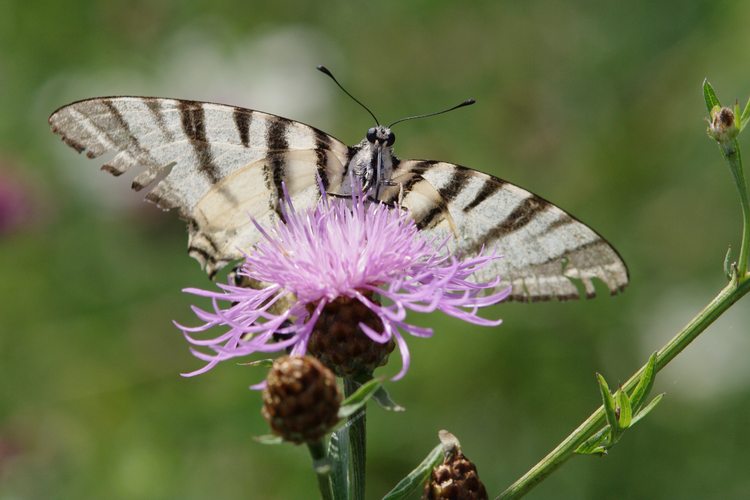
(491, 186)
(154, 106)
(193, 122)
(322, 148)
(133, 141)
(242, 118)
(447, 194)
(521, 216)
(273, 169)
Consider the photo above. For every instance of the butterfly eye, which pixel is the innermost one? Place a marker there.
(372, 135)
(390, 140)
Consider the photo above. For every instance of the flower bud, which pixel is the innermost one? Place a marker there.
(340, 344)
(301, 399)
(723, 126)
(455, 479)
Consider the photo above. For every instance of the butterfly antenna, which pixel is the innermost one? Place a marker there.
(467, 102)
(326, 71)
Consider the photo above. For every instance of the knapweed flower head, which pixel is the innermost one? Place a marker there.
(341, 250)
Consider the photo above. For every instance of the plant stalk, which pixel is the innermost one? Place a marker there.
(738, 287)
(357, 443)
(322, 469)
(731, 152)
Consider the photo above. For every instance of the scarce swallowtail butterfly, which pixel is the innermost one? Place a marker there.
(219, 165)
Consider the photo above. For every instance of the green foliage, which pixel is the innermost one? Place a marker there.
(621, 410)
(745, 115)
(383, 398)
(339, 453)
(271, 439)
(645, 384)
(712, 102)
(358, 400)
(415, 480)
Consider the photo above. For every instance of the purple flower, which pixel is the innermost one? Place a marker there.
(342, 248)
(15, 204)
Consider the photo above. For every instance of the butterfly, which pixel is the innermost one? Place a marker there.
(220, 165)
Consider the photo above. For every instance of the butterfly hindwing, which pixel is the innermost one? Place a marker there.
(221, 165)
(544, 250)
(216, 164)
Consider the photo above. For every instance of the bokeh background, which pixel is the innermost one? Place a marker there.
(594, 105)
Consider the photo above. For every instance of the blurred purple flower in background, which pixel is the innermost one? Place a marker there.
(350, 249)
(16, 204)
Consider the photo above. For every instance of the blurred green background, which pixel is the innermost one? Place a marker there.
(596, 106)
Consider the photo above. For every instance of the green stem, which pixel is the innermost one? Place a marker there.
(731, 151)
(322, 469)
(566, 449)
(357, 443)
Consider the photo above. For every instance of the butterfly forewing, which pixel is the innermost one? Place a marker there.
(218, 165)
(545, 251)
(221, 165)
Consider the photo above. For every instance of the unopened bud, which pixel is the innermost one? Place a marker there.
(340, 344)
(301, 399)
(723, 126)
(456, 478)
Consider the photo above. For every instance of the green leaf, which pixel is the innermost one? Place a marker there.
(338, 453)
(647, 409)
(269, 439)
(598, 450)
(322, 465)
(710, 96)
(360, 397)
(383, 398)
(745, 115)
(595, 444)
(609, 405)
(736, 111)
(645, 384)
(728, 263)
(414, 481)
(263, 363)
(625, 413)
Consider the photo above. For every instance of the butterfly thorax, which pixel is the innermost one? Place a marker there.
(373, 160)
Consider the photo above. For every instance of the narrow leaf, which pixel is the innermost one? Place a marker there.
(625, 412)
(269, 439)
(647, 409)
(737, 116)
(593, 445)
(414, 481)
(338, 453)
(263, 363)
(609, 405)
(383, 398)
(728, 263)
(322, 465)
(645, 384)
(745, 115)
(359, 398)
(710, 96)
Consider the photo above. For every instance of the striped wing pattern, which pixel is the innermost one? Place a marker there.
(545, 251)
(218, 165)
(211, 162)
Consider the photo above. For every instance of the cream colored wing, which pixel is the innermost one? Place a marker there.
(545, 251)
(216, 164)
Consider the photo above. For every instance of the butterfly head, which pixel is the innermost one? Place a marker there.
(380, 135)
